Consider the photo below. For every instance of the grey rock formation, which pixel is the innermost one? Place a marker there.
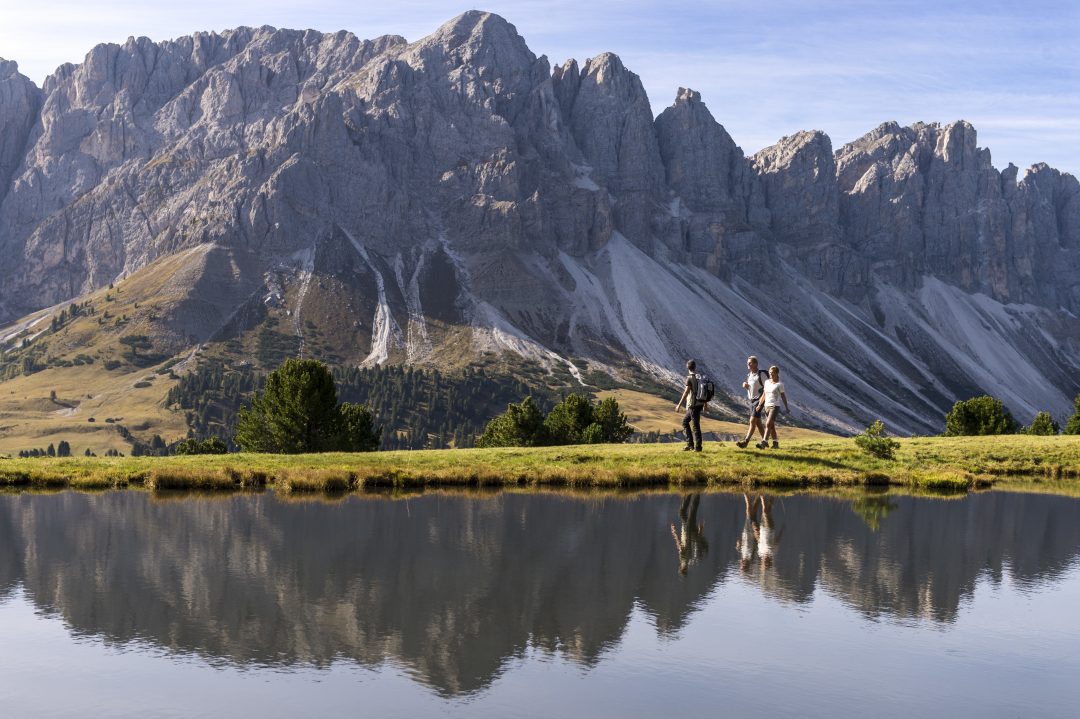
(20, 101)
(799, 176)
(611, 121)
(718, 198)
(456, 195)
(925, 200)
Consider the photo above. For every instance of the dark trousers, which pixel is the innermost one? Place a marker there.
(692, 420)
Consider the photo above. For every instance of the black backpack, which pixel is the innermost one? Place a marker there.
(705, 389)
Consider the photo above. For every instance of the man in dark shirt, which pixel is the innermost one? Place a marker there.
(692, 419)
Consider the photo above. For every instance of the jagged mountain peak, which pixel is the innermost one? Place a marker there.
(607, 71)
(433, 201)
(482, 40)
(8, 68)
(704, 165)
(688, 96)
(808, 146)
(955, 143)
(474, 27)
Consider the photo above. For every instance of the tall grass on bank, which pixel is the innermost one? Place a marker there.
(956, 463)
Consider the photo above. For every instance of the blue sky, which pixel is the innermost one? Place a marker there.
(766, 68)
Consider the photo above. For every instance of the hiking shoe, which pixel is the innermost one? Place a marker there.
(776, 445)
(697, 449)
(742, 444)
(762, 445)
(688, 449)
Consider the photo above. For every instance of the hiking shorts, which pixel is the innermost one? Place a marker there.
(755, 413)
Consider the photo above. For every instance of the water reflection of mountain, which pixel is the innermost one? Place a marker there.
(925, 556)
(454, 587)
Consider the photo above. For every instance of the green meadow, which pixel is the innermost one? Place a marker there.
(954, 464)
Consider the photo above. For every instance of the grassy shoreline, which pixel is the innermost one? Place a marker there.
(954, 464)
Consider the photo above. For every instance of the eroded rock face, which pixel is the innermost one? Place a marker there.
(20, 101)
(552, 206)
(799, 176)
(717, 200)
(611, 122)
(926, 200)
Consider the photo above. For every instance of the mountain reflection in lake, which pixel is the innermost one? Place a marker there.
(462, 593)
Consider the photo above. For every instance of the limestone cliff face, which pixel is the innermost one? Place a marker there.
(925, 200)
(459, 184)
(717, 197)
(20, 102)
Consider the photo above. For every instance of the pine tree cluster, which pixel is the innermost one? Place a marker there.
(417, 408)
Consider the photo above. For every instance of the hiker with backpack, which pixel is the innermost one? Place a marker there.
(696, 394)
(754, 385)
(771, 394)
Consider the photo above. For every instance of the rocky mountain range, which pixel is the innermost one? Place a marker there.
(433, 201)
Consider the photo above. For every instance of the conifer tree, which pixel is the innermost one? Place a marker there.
(1073, 425)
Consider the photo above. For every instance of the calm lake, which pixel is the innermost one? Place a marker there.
(129, 605)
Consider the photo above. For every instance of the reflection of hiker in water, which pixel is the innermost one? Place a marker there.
(690, 541)
(767, 537)
(747, 544)
(759, 537)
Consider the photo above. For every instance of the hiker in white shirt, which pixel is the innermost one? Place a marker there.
(755, 381)
(771, 395)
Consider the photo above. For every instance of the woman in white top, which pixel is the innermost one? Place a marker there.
(771, 395)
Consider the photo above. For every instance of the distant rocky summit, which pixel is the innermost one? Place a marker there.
(433, 201)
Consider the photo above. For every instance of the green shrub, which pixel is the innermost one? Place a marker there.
(358, 430)
(979, 416)
(873, 441)
(611, 424)
(567, 421)
(575, 420)
(1043, 425)
(521, 425)
(208, 446)
(1073, 425)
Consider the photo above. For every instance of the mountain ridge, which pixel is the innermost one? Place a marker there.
(436, 200)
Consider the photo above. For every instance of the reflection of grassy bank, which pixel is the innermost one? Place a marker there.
(930, 463)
